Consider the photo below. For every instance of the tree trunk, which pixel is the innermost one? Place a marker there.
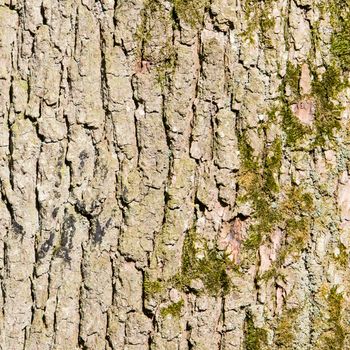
(175, 174)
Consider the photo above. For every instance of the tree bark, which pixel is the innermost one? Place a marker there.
(175, 174)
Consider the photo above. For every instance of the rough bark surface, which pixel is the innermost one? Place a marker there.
(174, 174)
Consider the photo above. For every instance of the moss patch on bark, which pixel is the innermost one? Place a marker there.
(254, 338)
(174, 310)
(204, 263)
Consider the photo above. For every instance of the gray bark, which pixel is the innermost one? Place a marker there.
(174, 174)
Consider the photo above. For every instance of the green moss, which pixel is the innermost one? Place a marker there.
(269, 274)
(166, 68)
(335, 301)
(294, 214)
(173, 310)
(252, 13)
(297, 209)
(341, 46)
(272, 166)
(325, 91)
(249, 162)
(334, 337)
(152, 288)
(315, 35)
(143, 32)
(340, 41)
(164, 59)
(259, 176)
(254, 338)
(298, 203)
(258, 16)
(265, 175)
(285, 330)
(298, 233)
(265, 214)
(56, 249)
(291, 79)
(190, 11)
(207, 264)
(267, 22)
(291, 126)
(272, 273)
(23, 84)
(199, 262)
(253, 241)
(343, 257)
(260, 180)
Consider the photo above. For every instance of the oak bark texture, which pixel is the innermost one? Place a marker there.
(174, 174)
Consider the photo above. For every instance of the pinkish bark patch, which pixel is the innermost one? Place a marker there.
(233, 234)
(304, 111)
